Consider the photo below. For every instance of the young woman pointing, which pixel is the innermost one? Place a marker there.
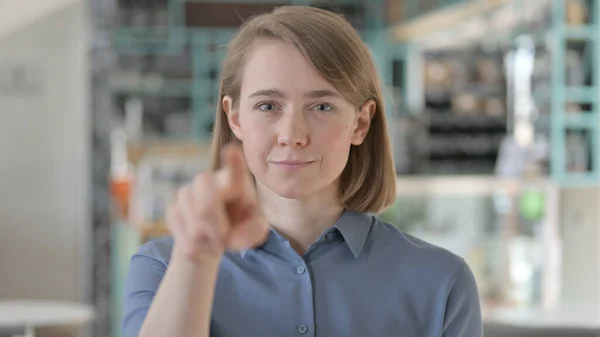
(278, 240)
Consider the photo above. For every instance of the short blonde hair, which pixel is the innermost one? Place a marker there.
(330, 43)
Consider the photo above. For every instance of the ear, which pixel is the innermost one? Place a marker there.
(363, 123)
(233, 116)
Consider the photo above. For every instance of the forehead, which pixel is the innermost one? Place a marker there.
(273, 64)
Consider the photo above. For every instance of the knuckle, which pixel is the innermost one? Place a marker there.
(204, 184)
(206, 211)
(202, 181)
(198, 233)
(183, 194)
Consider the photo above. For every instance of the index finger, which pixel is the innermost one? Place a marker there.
(234, 175)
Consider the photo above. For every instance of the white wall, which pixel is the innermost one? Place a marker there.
(44, 160)
(580, 221)
(16, 14)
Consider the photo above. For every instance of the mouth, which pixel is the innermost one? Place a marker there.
(292, 164)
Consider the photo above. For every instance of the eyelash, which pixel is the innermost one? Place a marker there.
(260, 105)
(329, 107)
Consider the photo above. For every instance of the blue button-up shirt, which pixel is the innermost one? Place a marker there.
(360, 278)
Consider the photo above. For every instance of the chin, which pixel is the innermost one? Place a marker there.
(298, 188)
(292, 192)
(295, 189)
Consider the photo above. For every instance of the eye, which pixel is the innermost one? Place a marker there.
(267, 107)
(322, 107)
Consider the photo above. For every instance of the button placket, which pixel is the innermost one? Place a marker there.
(305, 316)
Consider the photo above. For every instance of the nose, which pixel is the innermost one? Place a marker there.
(293, 129)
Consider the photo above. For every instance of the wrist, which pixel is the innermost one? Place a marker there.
(204, 264)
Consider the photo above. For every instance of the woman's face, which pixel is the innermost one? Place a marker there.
(296, 129)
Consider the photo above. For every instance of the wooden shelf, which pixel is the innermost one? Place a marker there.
(166, 149)
(442, 19)
(153, 230)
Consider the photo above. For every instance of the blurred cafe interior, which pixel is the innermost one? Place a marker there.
(107, 107)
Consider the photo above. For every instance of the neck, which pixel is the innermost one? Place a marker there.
(301, 221)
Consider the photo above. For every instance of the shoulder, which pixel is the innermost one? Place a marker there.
(428, 277)
(158, 250)
(413, 254)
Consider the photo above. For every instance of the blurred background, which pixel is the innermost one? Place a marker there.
(106, 107)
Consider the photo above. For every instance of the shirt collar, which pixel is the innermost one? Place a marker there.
(354, 227)
(273, 234)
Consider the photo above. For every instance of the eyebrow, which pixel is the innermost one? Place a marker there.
(310, 94)
(321, 94)
(268, 93)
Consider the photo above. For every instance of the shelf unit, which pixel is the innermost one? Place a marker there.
(181, 37)
(564, 123)
(571, 108)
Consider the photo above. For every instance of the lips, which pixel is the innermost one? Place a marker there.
(292, 164)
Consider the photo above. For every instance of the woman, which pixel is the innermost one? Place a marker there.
(300, 93)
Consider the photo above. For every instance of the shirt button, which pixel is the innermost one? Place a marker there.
(300, 270)
(302, 328)
(330, 236)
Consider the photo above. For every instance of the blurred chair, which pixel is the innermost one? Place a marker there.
(43, 332)
(498, 330)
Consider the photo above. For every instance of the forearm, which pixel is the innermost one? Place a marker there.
(183, 303)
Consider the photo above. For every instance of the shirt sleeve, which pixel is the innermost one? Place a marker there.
(146, 271)
(463, 308)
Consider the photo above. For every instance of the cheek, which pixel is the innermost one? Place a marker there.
(256, 140)
(252, 129)
(335, 146)
(337, 134)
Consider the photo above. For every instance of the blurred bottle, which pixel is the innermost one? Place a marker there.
(139, 22)
(161, 18)
(125, 13)
(524, 254)
(120, 173)
(133, 118)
